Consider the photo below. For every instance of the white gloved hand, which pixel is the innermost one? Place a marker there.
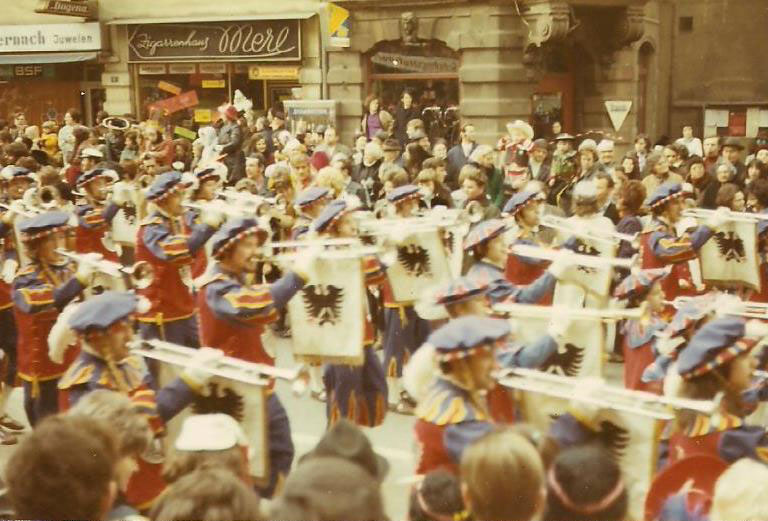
(561, 263)
(718, 218)
(10, 267)
(218, 148)
(305, 265)
(558, 326)
(85, 271)
(197, 371)
(211, 216)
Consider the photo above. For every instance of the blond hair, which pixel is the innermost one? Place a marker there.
(504, 477)
(331, 178)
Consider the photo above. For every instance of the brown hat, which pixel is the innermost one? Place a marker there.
(391, 145)
(733, 142)
(346, 440)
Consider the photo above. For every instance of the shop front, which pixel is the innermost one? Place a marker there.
(47, 69)
(186, 71)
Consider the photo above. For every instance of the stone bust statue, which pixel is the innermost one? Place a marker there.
(409, 28)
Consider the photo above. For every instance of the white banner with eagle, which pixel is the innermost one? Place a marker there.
(631, 438)
(245, 402)
(422, 262)
(730, 256)
(328, 314)
(580, 353)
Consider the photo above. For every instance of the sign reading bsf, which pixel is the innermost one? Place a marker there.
(264, 40)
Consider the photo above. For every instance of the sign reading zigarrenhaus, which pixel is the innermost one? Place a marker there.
(50, 38)
(263, 40)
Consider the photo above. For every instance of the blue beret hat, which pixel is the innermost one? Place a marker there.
(716, 343)
(664, 193)
(310, 195)
(208, 172)
(461, 289)
(403, 193)
(335, 210)
(164, 185)
(43, 224)
(463, 336)
(13, 172)
(639, 283)
(103, 310)
(518, 201)
(484, 231)
(94, 173)
(232, 231)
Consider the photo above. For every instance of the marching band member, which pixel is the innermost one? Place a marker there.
(660, 244)
(40, 292)
(17, 181)
(404, 330)
(104, 326)
(309, 205)
(162, 243)
(94, 218)
(639, 335)
(358, 393)
(233, 311)
(206, 181)
(486, 242)
(718, 359)
(454, 411)
(524, 207)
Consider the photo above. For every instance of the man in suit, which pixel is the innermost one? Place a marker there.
(458, 156)
(537, 160)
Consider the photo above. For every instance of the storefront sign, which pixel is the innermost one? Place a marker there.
(266, 40)
(50, 38)
(338, 25)
(176, 103)
(151, 69)
(202, 116)
(213, 68)
(169, 87)
(214, 84)
(185, 132)
(182, 68)
(27, 71)
(421, 64)
(84, 8)
(273, 72)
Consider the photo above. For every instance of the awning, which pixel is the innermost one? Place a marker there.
(292, 15)
(47, 57)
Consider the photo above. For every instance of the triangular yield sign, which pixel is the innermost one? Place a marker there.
(618, 111)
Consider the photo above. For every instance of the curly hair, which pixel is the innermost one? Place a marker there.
(632, 194)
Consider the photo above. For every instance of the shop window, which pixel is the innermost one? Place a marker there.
(430, 70)
(726, 122)
(686, 24)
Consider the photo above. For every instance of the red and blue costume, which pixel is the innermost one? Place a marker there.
(92, 223)
(8, 338)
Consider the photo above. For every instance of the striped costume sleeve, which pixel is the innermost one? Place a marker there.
(251, 304)
(166, 246)
(673, 249)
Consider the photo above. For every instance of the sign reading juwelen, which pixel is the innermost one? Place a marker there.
(50, 38)
(422, 264)
(730, 257)
(263, 40)
(579, 354)
(327, 314)
(631, 438)
(245, 402)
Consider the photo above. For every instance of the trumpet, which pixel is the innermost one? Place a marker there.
(579, 259)
(138, 276)
(597, 392)
(701, 213)
(336, 249)
(736, 307)
(533, 311)
(588, 232)
(219, 206)
(25, 212)
(228, 367)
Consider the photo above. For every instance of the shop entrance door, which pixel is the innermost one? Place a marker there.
(553, 101)
(92, 97)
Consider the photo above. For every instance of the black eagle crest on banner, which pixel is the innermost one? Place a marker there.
(566, 362)
(323, 302)
(414, 259)
(219, 399)
(582, 248)
(129, 210)
(730, 246)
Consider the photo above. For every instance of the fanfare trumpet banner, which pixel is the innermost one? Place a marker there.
(328, 314)
(730, 257)
(628, 423)
(108, 275)
(125, 224)
(238, 388)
